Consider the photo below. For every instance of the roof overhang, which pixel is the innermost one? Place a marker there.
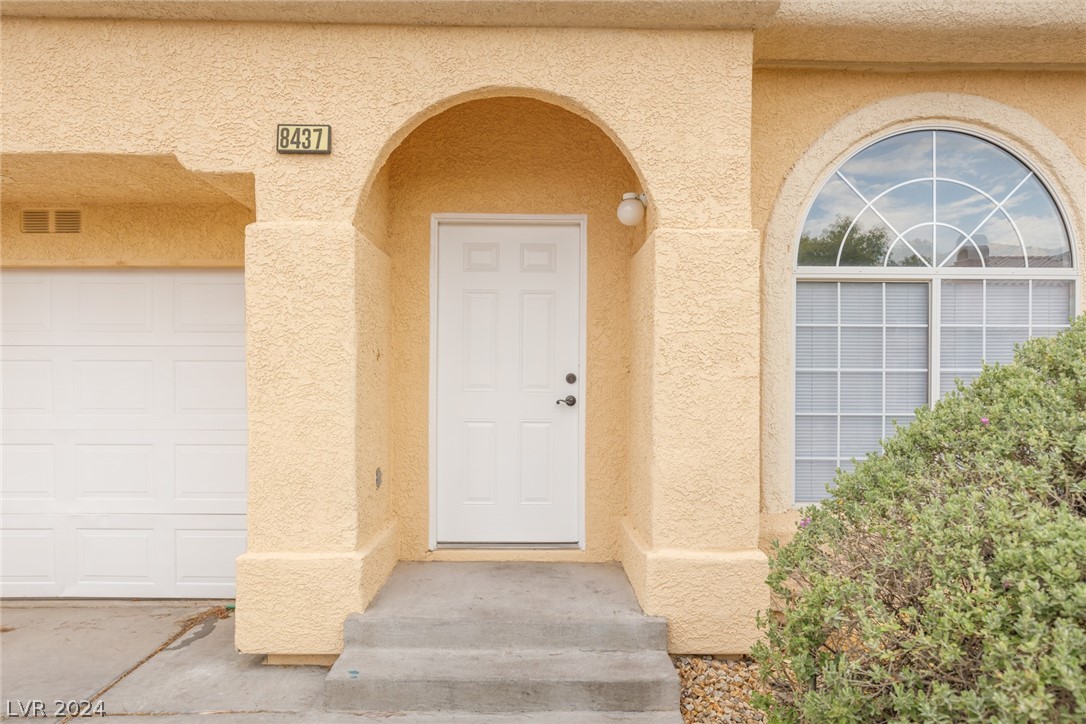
(679, 14)
(925, 34)
(897, 34)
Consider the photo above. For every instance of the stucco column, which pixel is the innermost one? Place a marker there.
(690, 543)
(693, 555)
(705, 389)
(302, 572)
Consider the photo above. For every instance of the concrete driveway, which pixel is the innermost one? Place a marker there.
(128, 655)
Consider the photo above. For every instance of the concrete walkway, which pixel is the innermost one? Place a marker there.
(53, 650)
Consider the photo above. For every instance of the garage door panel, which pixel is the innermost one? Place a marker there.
(206, 558)
(113, 386)
(209, 387)
(125, 444)
(114, 303)
(131, 471)
(208, 305)
(121, 556)
(125, 307)
(164, 388)
(28, 472)
(116, 471)
(26, 304)
(27, 386)
(28, 559)
(213, 474)
(115, 555)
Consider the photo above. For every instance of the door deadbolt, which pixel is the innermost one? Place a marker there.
(571, 378)
(568, 399)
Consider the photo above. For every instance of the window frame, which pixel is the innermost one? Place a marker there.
(933, 276)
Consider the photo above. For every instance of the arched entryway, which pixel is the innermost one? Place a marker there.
(538, 164)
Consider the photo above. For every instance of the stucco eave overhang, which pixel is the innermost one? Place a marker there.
(925, 34)
(677, 14)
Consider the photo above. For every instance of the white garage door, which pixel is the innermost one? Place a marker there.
(124, 433)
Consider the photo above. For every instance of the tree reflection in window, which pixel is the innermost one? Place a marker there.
(934, 199)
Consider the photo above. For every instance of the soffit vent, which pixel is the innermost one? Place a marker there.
(35, 221)
(52, 221)
(67, 221)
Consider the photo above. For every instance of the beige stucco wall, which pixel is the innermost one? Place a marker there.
(107, 86)
(806, 122)
(137, 235)
(320, 536)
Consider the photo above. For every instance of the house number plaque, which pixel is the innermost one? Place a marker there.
(300, 138)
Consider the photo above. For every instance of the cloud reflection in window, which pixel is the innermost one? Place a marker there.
(934, 199)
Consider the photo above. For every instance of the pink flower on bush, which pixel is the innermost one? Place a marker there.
(804, 522)
(984, 421)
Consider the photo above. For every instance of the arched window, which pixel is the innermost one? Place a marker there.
(925, 255)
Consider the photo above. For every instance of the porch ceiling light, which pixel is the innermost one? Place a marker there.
(632, 209)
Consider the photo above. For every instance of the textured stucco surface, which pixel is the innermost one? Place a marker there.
(1037, 116)
(136, 78)
(371, 218)
(138, 235)
(511, 156)
(700, 461)
(689, 543)
(718, 614)
(642, 380)
(373, 303)
(294, 604)
(301, 353)
(317, 524)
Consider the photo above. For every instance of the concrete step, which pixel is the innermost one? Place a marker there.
(501, 680)
(617, 632)
(500, 605)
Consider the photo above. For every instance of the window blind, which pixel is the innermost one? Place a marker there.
(983, 319)
(861, 365)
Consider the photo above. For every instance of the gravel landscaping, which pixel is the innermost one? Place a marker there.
(717, 690)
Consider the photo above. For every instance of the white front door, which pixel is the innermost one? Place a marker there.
(508, 341)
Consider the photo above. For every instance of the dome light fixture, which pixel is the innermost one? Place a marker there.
(632, 208)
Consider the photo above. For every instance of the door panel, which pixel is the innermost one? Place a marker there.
(507, 332)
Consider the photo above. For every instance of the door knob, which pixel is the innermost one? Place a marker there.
(568, 399)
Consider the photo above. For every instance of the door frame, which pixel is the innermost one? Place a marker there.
(581, 220)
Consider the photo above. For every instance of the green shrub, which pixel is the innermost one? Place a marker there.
(945, 580)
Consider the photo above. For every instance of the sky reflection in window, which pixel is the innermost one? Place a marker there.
(934, 199)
